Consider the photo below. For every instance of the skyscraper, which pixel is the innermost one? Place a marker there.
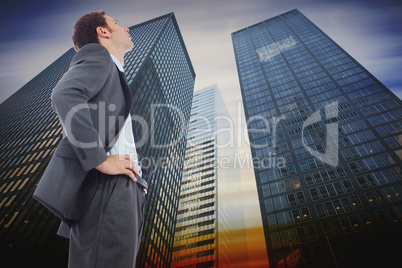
(325, 137)
(209, 212)
(160, 74)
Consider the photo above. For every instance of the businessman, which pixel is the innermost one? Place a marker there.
(94, 182)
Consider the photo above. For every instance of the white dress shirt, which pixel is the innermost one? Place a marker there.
(125, 143)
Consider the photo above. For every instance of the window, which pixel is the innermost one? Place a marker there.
(269, 205)
(348, 186)
(276, 241)
(284, 218)
(272, 223)
(338, 188)
(391, 142)
(303, 166)
(300, 197)
(330, 208)
(346, 154)
(353, 167)
(362, 182)
(320, 210)
(381, 131)
(357, 204)
(314, 194)
(306, 213)
(308, 179)
(296, 183)
(311, 232)
(323, 191)
(346, 204)
(377, 146)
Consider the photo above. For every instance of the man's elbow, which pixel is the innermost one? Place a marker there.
(55, 98)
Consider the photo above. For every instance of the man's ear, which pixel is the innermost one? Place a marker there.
(102, 32)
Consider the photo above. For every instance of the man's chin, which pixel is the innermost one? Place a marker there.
(130, 48)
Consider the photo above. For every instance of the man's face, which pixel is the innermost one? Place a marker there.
(119, 35)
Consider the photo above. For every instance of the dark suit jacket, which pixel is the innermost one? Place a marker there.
(92, 101)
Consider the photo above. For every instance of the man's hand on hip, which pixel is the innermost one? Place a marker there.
(119, 164)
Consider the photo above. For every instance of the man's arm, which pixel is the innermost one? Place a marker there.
(70, 99)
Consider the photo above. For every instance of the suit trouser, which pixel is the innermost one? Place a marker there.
(109, 234)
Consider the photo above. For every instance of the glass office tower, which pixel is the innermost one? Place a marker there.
(161, 77)
(325, 134)
(209, 211)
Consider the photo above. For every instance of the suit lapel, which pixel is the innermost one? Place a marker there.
(129, 104)
(127, 93)
(129, 108)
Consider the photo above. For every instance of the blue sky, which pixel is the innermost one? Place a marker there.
(35, 33)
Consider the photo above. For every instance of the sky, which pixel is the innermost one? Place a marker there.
(35, 33)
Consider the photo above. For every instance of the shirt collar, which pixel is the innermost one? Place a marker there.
(117, 62)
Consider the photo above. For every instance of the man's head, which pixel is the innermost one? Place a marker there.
(96, 27)
(85, 29)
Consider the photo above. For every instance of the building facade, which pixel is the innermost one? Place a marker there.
(208, 204)
(160, 74)
(325, 134)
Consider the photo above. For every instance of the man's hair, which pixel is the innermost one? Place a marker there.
(85, 29)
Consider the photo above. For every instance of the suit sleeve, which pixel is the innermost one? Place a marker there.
(70, 99)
